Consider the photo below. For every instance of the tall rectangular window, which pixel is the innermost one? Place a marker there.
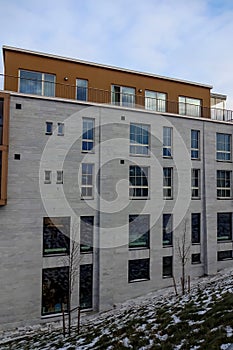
(36, 83)
(60, 177)
(167, 230)
(167, 142)
(1, 119)
(167, 183)
(47, 176)
(195, 144)
(155, 101)
(167, 266)
(86, 286)
(139, 269)
(123, 96)
(0, 174)
(195, 183)
(224, 227)
(139, 139)
(224, 183)
(223, 147)
(88, 135)
(139, 231)
(60, 129)
(86, 234)
(55, 290)
(196, 228)
(87, 180)
(138, 181)
(49, 128)
(56, 233)
(189, 106)
(82, 89)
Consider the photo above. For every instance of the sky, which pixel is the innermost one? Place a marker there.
(185, 39)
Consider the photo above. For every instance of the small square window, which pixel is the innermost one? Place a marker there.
(17, 156)
(196, 258)
(60, 129)
(49, 128)
(47, 176)
(18, 106)
(59, 177)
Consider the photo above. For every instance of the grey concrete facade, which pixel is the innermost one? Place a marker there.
(29, 200)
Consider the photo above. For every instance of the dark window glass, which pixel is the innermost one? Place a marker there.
(195, 183)
(196, 258)
(167, 229)
(0, 172)
(82, 89)
(223, 183)
(86, 286)
(224, 226)
(55, 290)
(139, 139)
(167, 183)
(49, 128)
(139, 226)
(224, 255)
(139, 269)
(167, 266)
(195, 140)
(37, 83)
(86, 234)
(56, 233)
(196, 228)
(167, 142)
(138, 181)
(223, 147)
(88, 135)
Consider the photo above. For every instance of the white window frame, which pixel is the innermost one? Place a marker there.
(197, 188)
(141, 145)
(167, 146)
(60, 129)
(224, 189)
(121, 94)
(165, 188)
(154, 102)
(187, 104)
(223, 151)
(85, 186)
(198, 148)
(141, 186)
(42, 81)
(88, 140)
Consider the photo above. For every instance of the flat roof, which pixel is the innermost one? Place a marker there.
(10, 48)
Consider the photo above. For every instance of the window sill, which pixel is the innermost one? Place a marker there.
(193, 243)
(138, 248)
(224, 241)
(86, 198)
(139, 198)
(139, 155)
(167, 245)
(165, 277)
(168, 157)
(48, 133)
(53, 315)
(168, 198)
(199, 159)
(196, 263)
(49, 255)
(224, 198)
(86, 253)
(140, 280)
(225, 259)
(92, 152)
(223, 161)
(196, 198)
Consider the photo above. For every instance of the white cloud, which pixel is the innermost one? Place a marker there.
(184, 39)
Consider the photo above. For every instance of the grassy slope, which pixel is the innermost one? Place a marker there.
(202, 319)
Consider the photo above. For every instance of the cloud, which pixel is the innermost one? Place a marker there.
(185, 39)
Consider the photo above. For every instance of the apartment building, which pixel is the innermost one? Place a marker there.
(111, 167)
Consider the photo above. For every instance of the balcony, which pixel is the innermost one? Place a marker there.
(118, 97)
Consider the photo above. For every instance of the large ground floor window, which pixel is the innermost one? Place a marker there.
(55, 290)
(86, 286)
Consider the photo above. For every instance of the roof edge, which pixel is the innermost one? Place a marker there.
(37, 53)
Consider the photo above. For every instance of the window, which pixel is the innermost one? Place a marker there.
(167, 229)
(195, 183)
(223, 184)
(47, 176)
(155, 101)
(189, 106)
(167, 266)
(167, 183)
(86, 234)
(123, 96)
(196, 258)
(86, 286)
(223, 147)
(87, 180)
(88, 135)
(37, 83)
(59, 177)
(196, 228)
(138, 181)
(81, 89)
(56, 233)
(225, 255)
(55, 290)
(60, 129)
(139, 139)
(139, 231)
(139, 270)
(49, 128)
(195, 144)
(224, 227)
(167, 142)
(0, 173)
